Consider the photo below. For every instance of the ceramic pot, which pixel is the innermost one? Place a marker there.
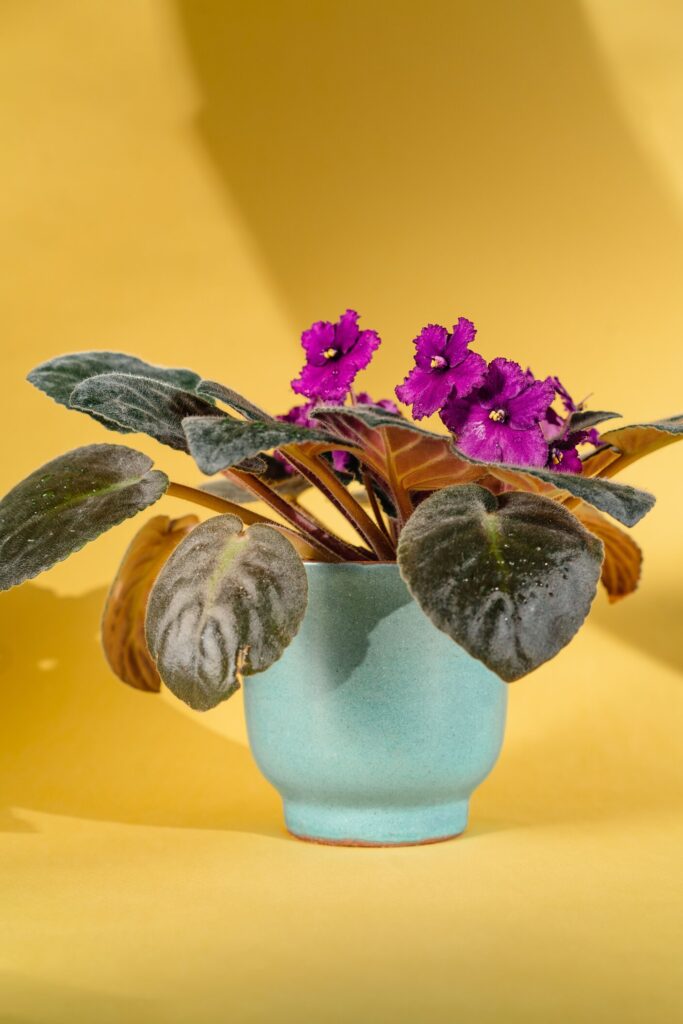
(374, 726)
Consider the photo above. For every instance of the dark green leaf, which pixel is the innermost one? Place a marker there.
(373, 416)
(142, 405)
(58, 377)
(216, 444)
(70, 501)
(590, 418)
(233, 400)
(226, 603)
(626, 504)
(509, 578)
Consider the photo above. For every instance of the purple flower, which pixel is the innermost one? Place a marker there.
(563, 455)
(363, 398)
(501, 421)
(567, 400)
(444, 368)
(334, 355)
(299, 414)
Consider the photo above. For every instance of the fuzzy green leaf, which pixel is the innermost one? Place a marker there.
(509, 578)
(142, 405)
(70, 501)
(584, 420)
(216, 444)
(624, 503)
(233, 400)
(58, 377)
(226, 603)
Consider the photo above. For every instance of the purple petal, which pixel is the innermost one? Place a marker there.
(467, 374)
(568, 460)
(319, 337)
(463, 334)
(299, 414)
(383, 403)
(425, 390)
(341, 461)
(430, 342)
(455, 413)
(504, 379)
(346, 330)
(523, 447)
(330, 382)
(483, 438)
(361, 353)
(530, 405)
(567, 400)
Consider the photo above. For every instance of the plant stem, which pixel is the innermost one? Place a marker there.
(367, 483)
(307, 549)
(299, 518)
(318, 472)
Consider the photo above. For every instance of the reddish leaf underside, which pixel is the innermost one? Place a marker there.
(123, 621)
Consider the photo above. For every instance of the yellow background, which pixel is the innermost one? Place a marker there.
(195, 182)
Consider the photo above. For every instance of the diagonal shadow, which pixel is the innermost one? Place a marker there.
(410, 154)
(75, 741)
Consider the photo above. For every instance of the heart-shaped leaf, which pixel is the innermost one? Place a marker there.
(233, 400)
(509, 578)
(142, 405)
(58, 377)
(123, 621)
(70, 501)
(217, 444)
(623, 558)
(226, 603)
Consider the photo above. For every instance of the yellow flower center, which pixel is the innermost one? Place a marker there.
(497, 415)
(330, 353)
(557, 458)
(437, 362)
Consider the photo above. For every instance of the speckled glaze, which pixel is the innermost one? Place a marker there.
(374, 726)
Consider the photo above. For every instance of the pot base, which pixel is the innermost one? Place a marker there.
(376, 826)
(376, 846)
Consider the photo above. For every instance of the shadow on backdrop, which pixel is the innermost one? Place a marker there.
(409, 158)
(74, 741)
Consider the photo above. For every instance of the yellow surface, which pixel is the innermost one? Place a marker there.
(195, 182)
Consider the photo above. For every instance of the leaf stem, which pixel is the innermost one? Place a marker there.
(306, 548)
(299, 518)
(317, 471)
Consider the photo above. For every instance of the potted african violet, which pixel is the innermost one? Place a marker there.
(375, 668)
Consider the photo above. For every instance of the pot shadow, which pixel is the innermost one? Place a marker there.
(75, 741)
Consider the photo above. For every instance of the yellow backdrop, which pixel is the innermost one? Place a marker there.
(195, 182)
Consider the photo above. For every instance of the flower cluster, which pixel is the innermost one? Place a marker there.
(496, 412)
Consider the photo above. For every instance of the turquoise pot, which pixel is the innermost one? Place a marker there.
(374, 726)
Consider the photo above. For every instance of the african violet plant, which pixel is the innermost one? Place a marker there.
(501, 527)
